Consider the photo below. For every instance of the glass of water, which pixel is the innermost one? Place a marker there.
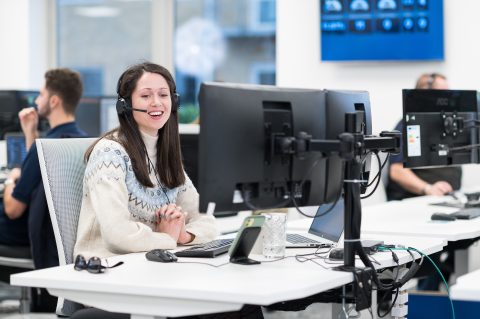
(274, 235)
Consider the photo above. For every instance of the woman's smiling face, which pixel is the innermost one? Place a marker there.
(152, 94)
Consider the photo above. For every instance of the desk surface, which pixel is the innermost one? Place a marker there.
(411, 217)
(467, 287)
(147, 288)
(175, 289)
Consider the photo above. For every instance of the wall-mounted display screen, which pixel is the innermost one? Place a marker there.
(353, 30)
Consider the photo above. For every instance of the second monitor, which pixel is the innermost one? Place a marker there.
(248, 156)
(440, 127)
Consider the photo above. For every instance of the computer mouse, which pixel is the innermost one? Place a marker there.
(161, 255)
(336, 254)
(443, 216)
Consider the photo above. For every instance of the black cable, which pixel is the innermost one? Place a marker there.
(472, 120)
(391, 305)
(195, 262)
(379, 175)
(339, 195)
(247, 201)
(150, 164)
(462, 148)
(396, 260)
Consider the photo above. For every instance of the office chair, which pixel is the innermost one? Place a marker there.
(14, 259)
(62, 166)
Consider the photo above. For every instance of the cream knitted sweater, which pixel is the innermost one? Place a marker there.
(118, 213)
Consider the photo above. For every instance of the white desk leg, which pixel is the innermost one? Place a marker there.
(339, 310)
(461, 262)
(374, 302)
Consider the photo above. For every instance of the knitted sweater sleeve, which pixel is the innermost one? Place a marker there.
(200, 225)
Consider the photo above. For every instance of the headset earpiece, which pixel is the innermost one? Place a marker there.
(121, 107)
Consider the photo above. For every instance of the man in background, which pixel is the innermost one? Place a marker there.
(406, 182)
(24, 217)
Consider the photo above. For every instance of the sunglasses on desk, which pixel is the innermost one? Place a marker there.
(93, 265)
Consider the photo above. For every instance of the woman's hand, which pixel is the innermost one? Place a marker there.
(171, 221)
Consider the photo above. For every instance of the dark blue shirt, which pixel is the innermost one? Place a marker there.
(452, 175)
(15, 232)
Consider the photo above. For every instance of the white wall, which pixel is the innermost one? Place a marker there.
(23, 43)
(299, 65)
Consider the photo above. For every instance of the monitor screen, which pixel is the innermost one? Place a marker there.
(439, 127)
(338, 104)
(239, 163)
(8, 113)
(329, 224)
(381, 30)
(108, 113)
(97, 114)
(11, 102)
(27, 98)
(16, 149)
(88, 114)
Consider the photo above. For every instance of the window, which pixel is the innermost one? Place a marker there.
(101, 38)
(222, 40)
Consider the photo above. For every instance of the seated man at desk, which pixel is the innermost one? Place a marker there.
(57, 102)
(406, 182)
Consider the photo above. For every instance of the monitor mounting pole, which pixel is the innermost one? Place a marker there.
(350, 147)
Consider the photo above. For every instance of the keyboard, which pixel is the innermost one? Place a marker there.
(208, 250)
(467, 213)
(296, 239)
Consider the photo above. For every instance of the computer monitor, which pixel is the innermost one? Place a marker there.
(239, 166)
(16, 149)
(338, 104)
(439, 127)
(88, 115)
(96, 114)
(108, 113)
(11, 102)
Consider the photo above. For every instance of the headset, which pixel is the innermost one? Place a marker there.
(124, 106)
(431, 79)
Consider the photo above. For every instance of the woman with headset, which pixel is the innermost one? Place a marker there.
(136, 194)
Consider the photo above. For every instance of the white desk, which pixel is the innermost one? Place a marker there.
(467, 287)
(146, 289)
(174, 289)
(411, 217)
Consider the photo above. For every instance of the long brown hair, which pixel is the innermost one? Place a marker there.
(169, 157)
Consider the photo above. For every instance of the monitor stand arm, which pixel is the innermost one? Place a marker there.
(350, 146)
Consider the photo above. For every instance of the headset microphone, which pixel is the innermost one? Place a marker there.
(138, 110)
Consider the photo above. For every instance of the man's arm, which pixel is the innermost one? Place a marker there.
(29, 122)
(13, 207)
(406, 178)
